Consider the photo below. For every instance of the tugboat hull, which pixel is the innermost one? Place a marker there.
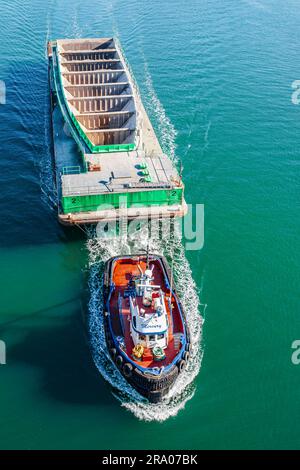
(155, 379)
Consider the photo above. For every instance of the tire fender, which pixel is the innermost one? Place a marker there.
(119, 361)
(186, 356)
(181, 365)
(113, 353)
(127, 370)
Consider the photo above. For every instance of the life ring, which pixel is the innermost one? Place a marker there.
(127, 370)
(119, 361)
(158, 353)
(181, 365)
(138, 352)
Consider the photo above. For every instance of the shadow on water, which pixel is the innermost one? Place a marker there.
(55, 342)
(4, 325)
(26, 168)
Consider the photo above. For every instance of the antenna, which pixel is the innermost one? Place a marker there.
(181, 170)
(147, 259)
(171, 287)
(171, 283)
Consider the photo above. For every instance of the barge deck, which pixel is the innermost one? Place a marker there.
(109, 163)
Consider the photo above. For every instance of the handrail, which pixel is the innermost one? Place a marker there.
(121, 314)
(84, 72)
(71, 170)
(105, 113)
(87, 51)
(172, 292)
(99, 84)
(88, 61)
(107, 130)
(100, 97)
(93, 190)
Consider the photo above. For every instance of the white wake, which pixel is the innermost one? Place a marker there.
(171, 246)
(49, 194)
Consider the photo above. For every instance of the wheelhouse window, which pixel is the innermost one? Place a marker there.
(160, 336)
(152, 338)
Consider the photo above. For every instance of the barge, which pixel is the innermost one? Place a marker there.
(108, 161)
(145, 325)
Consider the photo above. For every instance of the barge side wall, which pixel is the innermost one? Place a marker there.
(92, 202)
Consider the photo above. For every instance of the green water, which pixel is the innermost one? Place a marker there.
(216, 79)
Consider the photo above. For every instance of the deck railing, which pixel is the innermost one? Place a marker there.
(121, 315)
(71, 170)
(93, 190)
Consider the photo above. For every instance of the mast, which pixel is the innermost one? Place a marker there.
(171, 283)
(171, 287)
(147, 258)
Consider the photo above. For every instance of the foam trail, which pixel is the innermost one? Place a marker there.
(206, 137)
(48, 32)
(258, 4)
(49, 195)
(46, 170)
(75, 28)
(166, 130)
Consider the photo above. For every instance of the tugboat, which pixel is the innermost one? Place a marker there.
(145, 325)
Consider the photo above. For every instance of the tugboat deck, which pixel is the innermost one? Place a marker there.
(120, 314)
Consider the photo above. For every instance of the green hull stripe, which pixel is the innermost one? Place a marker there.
(108, 201)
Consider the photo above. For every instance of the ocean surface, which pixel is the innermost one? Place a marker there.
(216, 79)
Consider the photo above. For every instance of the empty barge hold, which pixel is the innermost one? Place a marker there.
(145, 325)
(108, 160)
